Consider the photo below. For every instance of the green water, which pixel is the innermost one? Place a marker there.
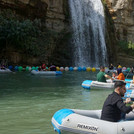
(28, 102)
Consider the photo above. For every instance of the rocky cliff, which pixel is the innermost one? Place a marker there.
(51, 11)
(55, 13)
(122, 12)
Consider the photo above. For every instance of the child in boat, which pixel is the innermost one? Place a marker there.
(43, 67)
(52, 67)
(120, 74)
(114, 75)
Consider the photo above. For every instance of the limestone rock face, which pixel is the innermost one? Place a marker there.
(51, 11)
(122, 12)
(55, 18)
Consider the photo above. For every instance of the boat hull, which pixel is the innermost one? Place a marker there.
(76, 121)
(34, 72)
(89, 84)
(5, 70)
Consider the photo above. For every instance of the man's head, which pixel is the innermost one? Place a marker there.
(102, 68)
(120, 87)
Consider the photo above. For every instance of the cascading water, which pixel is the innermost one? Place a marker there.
(88, 24)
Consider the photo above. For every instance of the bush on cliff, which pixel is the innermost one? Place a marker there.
(127, 47)
(32, 38)
(24, 35)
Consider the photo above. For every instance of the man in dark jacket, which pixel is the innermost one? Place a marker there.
(114, 106)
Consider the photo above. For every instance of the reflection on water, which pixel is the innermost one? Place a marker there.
(28, 102)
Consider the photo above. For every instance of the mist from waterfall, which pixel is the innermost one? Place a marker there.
(88, 25)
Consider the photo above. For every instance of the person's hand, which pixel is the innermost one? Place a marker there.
(128, 100)
(112, 79)
(115, 77)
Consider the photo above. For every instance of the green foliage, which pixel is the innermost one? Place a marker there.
(20, 34)
(127, 47)
(104, 2)
(32, 38)
(123, 45)
(130, 45)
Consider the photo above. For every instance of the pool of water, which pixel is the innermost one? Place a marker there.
(28, 102)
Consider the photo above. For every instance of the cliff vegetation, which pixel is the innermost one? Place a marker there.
(31, 39)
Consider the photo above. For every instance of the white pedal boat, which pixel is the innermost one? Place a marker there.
(74, 121)
(89, 84)
(6, 70)
(35, 72)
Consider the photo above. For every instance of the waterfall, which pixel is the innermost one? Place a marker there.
(88, 26)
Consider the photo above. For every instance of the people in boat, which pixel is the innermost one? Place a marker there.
(111, 67)
(52, 67)
(43, 66)
(101, 76)
(40, 68)
(47, 69)
(114, 75)
(119, 65)
(114, 106)
(120, 74)
(3, 67)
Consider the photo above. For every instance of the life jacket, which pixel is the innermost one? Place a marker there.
(121, 76)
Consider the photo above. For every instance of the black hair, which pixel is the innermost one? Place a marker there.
(102, 67)
(119, 84)
(119, 70)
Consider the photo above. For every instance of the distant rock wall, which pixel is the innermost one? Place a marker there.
(53, 15)
(51, 11)
(122, 12)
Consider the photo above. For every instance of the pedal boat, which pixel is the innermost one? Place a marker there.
(36, 72)
(75, 121)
